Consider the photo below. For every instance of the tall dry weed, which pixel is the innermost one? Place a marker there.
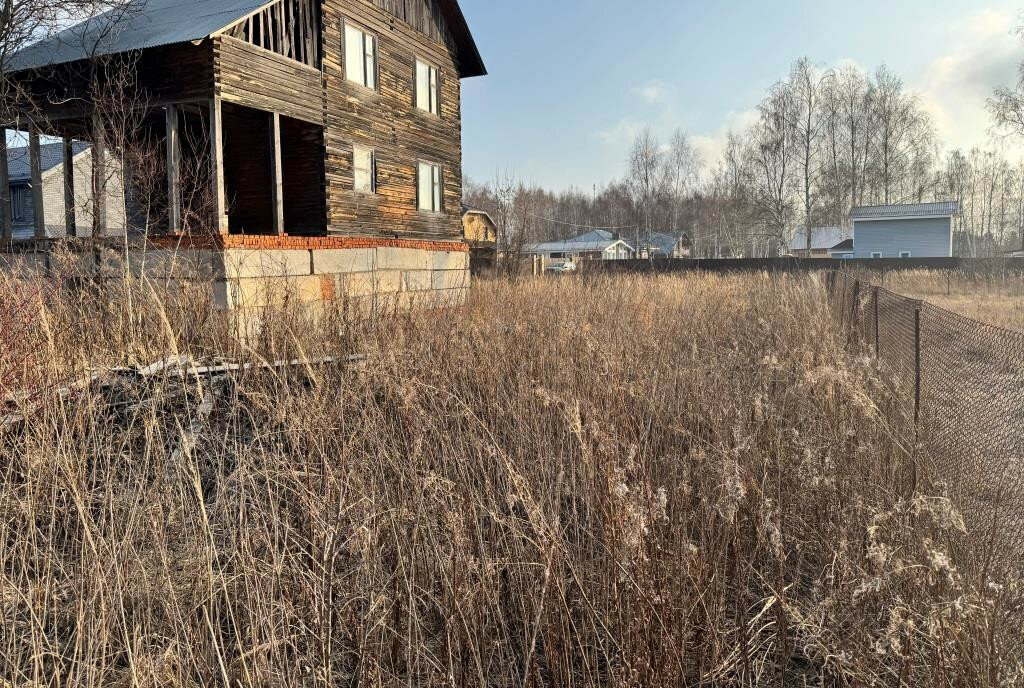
(623, 481)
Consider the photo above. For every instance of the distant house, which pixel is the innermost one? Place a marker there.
(920, 230)
(823, 241)
(843, 250)
(662, 245)
(596, 245)
(51, 156)
(481, 233)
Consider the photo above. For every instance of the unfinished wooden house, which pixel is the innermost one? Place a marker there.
(324, 133)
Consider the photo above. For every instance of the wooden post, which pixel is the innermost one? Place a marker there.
(6, 221)
(70, 221)
(36, 165)
(220, 214)
(276, 177)
(173, 169)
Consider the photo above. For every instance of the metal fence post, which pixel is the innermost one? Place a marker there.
(917, 363)
(878, 348)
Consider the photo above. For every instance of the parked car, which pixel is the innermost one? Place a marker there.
(560, 268)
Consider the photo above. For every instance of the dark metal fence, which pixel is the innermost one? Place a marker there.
(963, 382)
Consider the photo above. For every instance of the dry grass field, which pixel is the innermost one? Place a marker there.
(993, 299)
(621, 481)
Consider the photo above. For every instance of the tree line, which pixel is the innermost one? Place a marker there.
(824, 141)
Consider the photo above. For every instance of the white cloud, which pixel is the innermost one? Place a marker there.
(712, 145)
(983, 53)
(622, 132)
(654, 92)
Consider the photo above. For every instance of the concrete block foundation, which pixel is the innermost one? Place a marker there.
(369, 274)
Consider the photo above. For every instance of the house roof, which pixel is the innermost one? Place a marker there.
(943, 209)
(822, 238)
(19, 164)
(153, 23)
(597, 240)
(845, 246)
(664, 243)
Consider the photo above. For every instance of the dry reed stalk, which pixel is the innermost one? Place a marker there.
(618, 481)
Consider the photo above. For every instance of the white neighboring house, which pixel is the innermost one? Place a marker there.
(596, 245)
(825, 242)
(51, 155)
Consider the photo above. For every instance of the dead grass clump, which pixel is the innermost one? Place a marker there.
(628, 481)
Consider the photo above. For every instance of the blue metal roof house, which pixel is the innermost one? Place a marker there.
(919, 230)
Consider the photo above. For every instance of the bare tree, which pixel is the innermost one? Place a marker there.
(647, 179)
(807, 86)
(682, 171)
(772, 152)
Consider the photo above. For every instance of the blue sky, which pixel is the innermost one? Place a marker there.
(571, 81)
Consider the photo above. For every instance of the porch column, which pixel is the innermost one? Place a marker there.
(36, 165)
(220, 215)
(6, 221)
(276, 187)
(173, 169)
(70, 224)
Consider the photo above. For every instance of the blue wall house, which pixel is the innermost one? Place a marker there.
(920, 230)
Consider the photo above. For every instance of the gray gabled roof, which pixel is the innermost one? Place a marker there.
(19, 165)
(153, 23)
(591, 242)
(665, 243)
(944, 209)
(822, 238)
(141, 24)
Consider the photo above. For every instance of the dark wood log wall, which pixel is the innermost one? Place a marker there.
(302, 149)
(258, 78)
(387, 121)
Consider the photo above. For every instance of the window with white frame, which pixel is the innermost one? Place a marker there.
(876, 254)
(904, 254)
(429, 187)
(360, 57)
(426, 87)
(364, 169)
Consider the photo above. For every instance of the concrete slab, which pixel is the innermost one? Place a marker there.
(451, 279)
(449, 260)
(250, 263)
(337, 261)
(419, 280)
(389, 258)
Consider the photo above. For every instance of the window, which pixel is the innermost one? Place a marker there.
(364, 169)
(904, 254)
(876, 254)
(429, 187)
(19, 203)
(426, 87)
(360, 57)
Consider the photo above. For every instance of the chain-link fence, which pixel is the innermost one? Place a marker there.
(963, 382)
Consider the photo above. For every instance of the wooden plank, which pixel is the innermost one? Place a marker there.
(216, 129)
(276, 189)
(173, 169)
(36, 165)
(6, 220)
(70, 221)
